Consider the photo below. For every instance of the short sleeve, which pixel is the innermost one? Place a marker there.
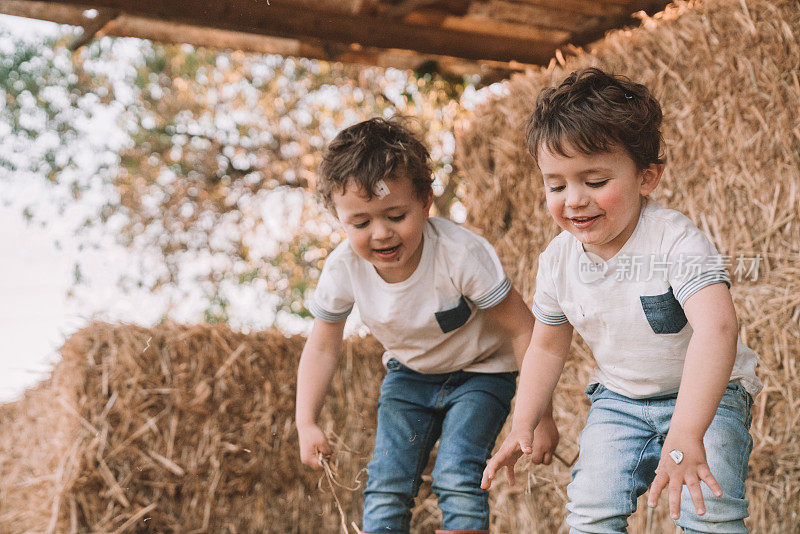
(694, 263)
(545, 304)
(482, 278)
(333, 298)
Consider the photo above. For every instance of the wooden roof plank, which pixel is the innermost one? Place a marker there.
(580, 7)
(481, 25)
(171, 32)
(513, 32)
(282, 20)
(634, 6)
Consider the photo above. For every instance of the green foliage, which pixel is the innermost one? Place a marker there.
(43, 91)
(217, 310)
(223, 150)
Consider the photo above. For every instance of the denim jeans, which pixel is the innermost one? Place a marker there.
(621, 448)
(467, 410)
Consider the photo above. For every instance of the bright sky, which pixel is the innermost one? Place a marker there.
(34, 317)
(36, 263)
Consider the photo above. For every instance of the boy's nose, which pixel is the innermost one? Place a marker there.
(576, 198)
(381, 231)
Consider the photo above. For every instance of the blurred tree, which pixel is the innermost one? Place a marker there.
(45, 92)
(215, 182)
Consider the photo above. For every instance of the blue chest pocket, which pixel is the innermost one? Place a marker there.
(454, 318)
(664, 313)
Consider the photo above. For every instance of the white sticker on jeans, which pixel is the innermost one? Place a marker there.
(381, 189)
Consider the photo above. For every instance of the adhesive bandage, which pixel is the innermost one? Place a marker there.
(381, 189)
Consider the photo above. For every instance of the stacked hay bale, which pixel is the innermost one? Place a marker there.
(180, 429)
(726, 73)
(38, 452)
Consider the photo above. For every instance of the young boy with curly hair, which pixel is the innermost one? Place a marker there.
(435, 295)
(648, 292)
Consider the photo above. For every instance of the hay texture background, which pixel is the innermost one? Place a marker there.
(181, 429)
(190, 428)
(726, 74)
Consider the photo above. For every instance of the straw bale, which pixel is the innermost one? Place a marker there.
(182, 429)
(187, 429)
(38, 453)
(726, 74)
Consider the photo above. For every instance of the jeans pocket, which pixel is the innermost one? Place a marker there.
(593, 389)
(664, 313)
(736, 399)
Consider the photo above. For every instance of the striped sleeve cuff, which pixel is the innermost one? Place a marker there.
(548, 318)
(325, 315)
(495, 296)
(699, 282)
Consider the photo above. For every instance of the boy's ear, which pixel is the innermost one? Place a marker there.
(429, 202)
(651, 176)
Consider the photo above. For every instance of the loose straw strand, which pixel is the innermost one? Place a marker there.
(331, 481)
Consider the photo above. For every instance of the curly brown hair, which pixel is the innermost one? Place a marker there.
(592, 111)
(373, 150)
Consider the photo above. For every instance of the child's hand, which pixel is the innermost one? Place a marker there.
(545, 440)
(690, 471)
(312, 441)
(507, 455)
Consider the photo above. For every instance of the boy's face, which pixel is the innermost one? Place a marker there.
(387, 232)
(596, 197)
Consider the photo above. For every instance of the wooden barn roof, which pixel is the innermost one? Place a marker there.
(460, 35)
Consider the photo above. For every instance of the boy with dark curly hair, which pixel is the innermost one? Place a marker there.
(435, 295)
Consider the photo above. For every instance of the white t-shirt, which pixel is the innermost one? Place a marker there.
(432, 322)
(629, 310)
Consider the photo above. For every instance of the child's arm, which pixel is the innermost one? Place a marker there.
(314, 373)
(516, 320)
(706, 372)
(541, 368)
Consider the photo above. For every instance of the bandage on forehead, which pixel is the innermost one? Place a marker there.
(381, 189)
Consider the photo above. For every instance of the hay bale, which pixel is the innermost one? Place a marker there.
(37, 458)
(726, 74)
(187, 429)
(181, 429)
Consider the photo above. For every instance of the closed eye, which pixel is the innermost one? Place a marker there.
(597, 184)
(361, 224)
(556, 188)
(397, 218)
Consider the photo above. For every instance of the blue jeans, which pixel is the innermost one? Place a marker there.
(621, 448)
(467, 410)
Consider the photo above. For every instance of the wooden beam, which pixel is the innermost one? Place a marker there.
(484, 26)
(405, 7)
(530, 15)
(595, 34)
(170, 32)
(93, 27)
(580, 7)
(280, 19)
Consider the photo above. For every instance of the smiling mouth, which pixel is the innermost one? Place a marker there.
(387, 251)
(581, 220)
